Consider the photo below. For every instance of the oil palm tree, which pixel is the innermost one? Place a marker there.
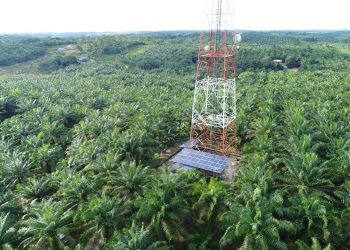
(34, 189)
(135, 238)
(9, 203)
(47, 226)
(314, 246)
(211, 199)
(125, 179)
(76, 189)
(136, 145)
(164, 207)
(129, 179)
(16, 168)
(311, 216)
(209, 203)
(8, 232)
(253, 226)
(99, 218)
(296, 124)
(303, 169)
(250, 221)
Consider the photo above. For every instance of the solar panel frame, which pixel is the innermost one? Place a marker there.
(203, 160)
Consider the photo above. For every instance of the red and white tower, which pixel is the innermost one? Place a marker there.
(213, 125)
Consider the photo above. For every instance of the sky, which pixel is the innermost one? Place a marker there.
(36, 16)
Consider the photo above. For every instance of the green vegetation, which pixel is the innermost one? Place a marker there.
(57, 63)
(77, 147)
(15, 49)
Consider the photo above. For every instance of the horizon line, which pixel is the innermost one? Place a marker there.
(153, 31)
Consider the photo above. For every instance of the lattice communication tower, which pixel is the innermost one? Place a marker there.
(213, 125)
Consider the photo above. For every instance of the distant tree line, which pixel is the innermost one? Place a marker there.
(17, 49)
(107, 45)
(15, 53)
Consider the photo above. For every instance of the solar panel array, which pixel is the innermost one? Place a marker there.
(202, 160)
